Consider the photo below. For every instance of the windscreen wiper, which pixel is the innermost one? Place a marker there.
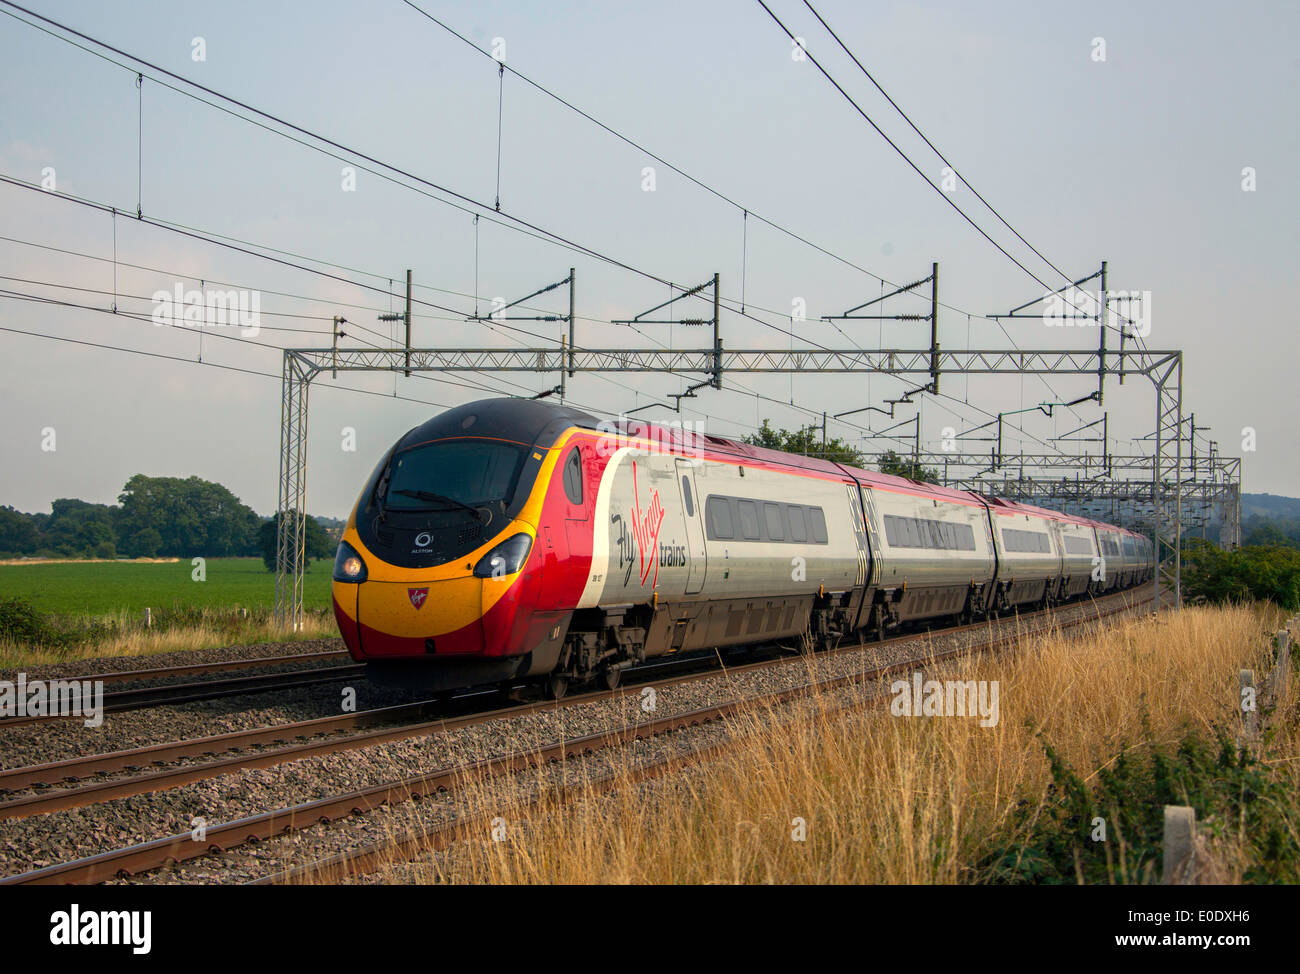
(380, 485)
(428, 495)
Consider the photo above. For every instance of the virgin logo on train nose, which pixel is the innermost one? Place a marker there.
(418, 595)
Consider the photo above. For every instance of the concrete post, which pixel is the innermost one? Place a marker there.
(1249, 705)
(1282, 665)
(1179, 846)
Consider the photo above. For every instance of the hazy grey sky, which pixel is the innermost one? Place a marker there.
(1136, 159)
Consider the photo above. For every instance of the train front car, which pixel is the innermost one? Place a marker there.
(439, 579)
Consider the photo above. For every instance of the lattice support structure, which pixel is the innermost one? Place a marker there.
(1163, 368)
(1130, 499)
(1211, 484)
(291, 534)
(1167, 477)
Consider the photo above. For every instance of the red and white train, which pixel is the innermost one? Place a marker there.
(515, 539)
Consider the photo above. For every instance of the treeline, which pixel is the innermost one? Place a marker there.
(154, 517)
(1280, 530)
(809, 442)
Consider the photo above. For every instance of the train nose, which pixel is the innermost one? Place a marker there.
(443, 616)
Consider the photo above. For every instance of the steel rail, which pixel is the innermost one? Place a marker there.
(193, 669)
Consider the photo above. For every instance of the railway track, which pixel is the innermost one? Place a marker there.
(177, 848)
(133, 759)
(78, 768)
(178, 693)
(195, 669)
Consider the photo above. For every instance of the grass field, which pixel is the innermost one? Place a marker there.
(102, 588)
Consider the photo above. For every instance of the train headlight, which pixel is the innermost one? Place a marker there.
(348, 566)
(505, 559)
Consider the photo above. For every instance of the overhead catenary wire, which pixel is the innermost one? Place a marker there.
(915, 168)
(326, 144)
(659, 158)
(743, 307)
(551, 237)
(246, 248)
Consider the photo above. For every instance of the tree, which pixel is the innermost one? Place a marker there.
(77, 528)
(318, 543)
(1272, 531)
(146, 543)
(807, 442)
(891, 463)
(191, 516)
(18, 532)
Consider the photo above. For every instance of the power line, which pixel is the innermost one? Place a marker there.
(844, 47)
(405, 174)
(148, 319)
(917, 169)
(549, 236)
(924, 138)
(744, 208)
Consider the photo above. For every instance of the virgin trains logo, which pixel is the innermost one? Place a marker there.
(645, 529)
(417, 596)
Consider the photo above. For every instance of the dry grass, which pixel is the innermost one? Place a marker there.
(891, 799)
(129, 638)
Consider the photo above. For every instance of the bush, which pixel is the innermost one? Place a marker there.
(1255, 572)
(1231, 791)
(21, 623)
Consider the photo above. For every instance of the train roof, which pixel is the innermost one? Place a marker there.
(533, 420)
(1034, 510)
(519, 420)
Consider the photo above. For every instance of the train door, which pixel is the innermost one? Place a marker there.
(861, 537)
(579, 490)
(696, 556)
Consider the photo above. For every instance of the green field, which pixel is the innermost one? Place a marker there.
(102, 588)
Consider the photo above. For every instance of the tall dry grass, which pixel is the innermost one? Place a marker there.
(885, 799)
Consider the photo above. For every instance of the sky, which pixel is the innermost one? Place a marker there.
(1136, 158)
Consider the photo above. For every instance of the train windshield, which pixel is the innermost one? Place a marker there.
(451, 475)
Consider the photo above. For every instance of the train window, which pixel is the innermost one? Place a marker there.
(775, 523)
(1074, 545)
(468, 471)
(739, 518)
(686, 496)
(573, 477)
(919, 532)
(896, 531)
(818, 525)
(1025, 542)
(798, 531)
(717, 512)
(1129, 548)
(891, 530)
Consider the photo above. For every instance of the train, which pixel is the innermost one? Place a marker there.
(516, 540)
